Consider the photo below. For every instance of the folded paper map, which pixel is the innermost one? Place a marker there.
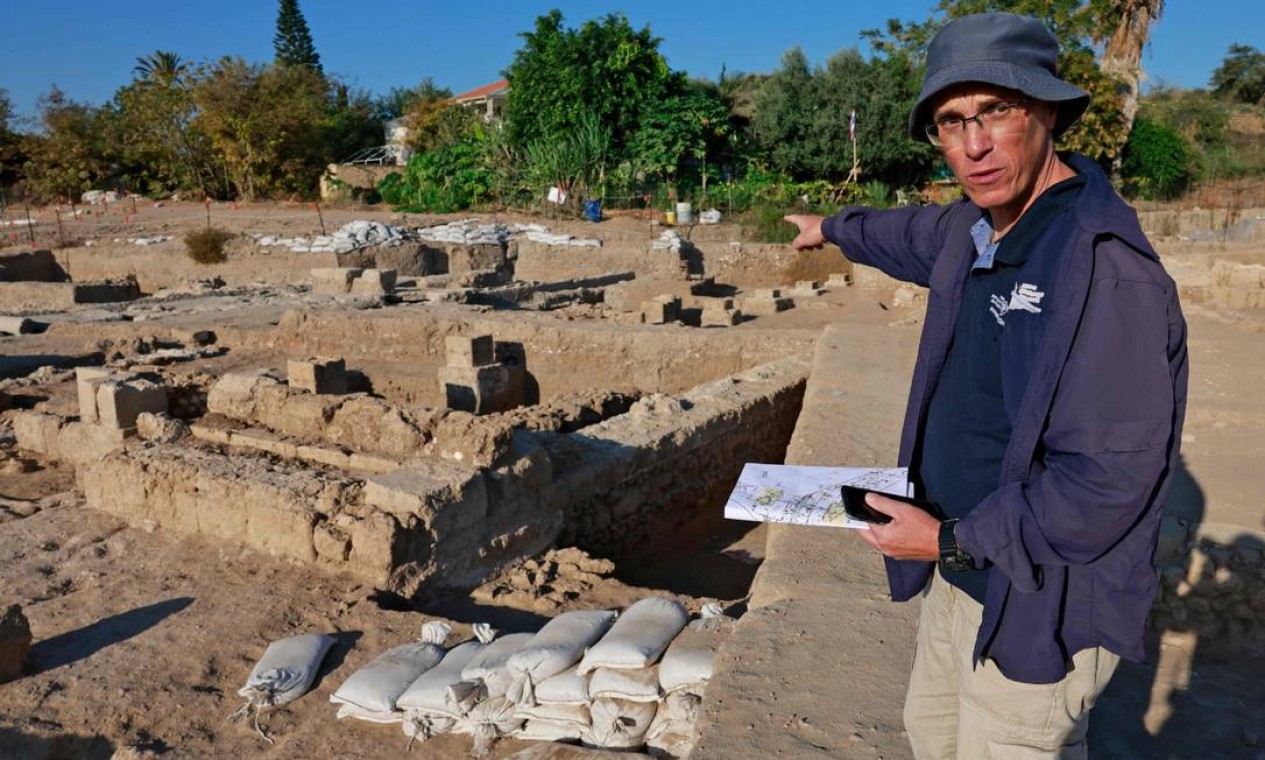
(807, 495)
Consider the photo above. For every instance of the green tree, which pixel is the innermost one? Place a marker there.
(71, 156)
(11, 154)
(1241, 75)
(1158, 162)
(151, 128)
(161, 66)
(605, 67)
(685, 126)
(783, 122)
(293, 40)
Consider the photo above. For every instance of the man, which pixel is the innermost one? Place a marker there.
(1045, 412)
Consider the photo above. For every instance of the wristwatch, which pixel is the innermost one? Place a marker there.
(951, 555)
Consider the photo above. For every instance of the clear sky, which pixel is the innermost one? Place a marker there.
(88, 47)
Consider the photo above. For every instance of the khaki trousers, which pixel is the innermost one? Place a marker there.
(956, 710)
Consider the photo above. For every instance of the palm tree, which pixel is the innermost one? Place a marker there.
(1125, 27)
(161, 66)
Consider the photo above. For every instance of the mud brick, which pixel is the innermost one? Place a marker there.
(477, 351)
(318, 375)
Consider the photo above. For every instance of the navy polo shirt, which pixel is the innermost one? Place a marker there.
(967, 428)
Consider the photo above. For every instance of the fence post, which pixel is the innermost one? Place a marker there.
(30, 226)
(61, 238)
(208, 213)
(320, 216)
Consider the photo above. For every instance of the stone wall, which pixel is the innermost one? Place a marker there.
(167, 265)
(671, 461)
(396, 347)
(540, 262)
(60, 296)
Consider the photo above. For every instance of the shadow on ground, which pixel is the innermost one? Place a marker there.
(82, 643)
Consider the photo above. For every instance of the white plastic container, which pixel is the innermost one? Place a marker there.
(684, 213)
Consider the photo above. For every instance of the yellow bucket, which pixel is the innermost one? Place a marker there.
(669, 217)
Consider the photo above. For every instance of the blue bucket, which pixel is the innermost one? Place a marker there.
(593, 210)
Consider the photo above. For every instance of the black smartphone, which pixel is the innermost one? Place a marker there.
(856, 508)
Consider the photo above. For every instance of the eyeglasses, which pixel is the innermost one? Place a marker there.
(999, 118)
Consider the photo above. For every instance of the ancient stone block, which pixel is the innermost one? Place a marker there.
(374, 282)
(160, 427)
(216, 434)
(81, 443)
(119, 403)
(371, 462)
(36, 431)
(660, 311)
(318, 375)
(87, 380)
(332, 544)
(233, 395)
(765, 306)
(264, 440)
(334, 280)
(15, 642)
(448, 499)
(713, 317)
(478, 441)
(364, 423)
(478, 390)
(476, 351)
(331, 457)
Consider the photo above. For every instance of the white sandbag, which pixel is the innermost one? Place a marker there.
(575, 716)
(674, 730)
(639, 637)
(376, 687)
(640, 685)
(544, 731)
(420, 726)
(283, 674)
(429, 693)
(566, 688)
(690, 659)
(488, 721)
(370, 716)
(619, 724)
(488, 672)
(554, 648)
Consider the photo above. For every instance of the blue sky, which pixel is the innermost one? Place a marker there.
(88, 48)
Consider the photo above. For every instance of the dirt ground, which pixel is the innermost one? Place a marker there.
(142, 638)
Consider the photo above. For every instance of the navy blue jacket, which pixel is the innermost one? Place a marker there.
(1096, 393)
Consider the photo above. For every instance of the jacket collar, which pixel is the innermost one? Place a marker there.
(1099, 210)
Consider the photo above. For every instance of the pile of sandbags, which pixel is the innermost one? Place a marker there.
(668, 240)
(471, 232)
(608, 681)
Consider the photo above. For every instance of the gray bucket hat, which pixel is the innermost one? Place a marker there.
(1003, 49)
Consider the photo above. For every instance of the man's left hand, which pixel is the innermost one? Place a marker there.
(912, 533)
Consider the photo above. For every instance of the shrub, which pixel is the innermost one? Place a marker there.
(1157, 161)
(206, 246)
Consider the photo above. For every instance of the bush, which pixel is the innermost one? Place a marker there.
(442, 181)
(1157, 161)
(207, 246)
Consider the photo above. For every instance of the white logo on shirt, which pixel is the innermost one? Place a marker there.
(1023, 297)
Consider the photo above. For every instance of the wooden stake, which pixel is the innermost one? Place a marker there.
(61, 238)
(30, 227)
(320, 216)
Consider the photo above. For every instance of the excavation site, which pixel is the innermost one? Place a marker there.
(372, 430)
